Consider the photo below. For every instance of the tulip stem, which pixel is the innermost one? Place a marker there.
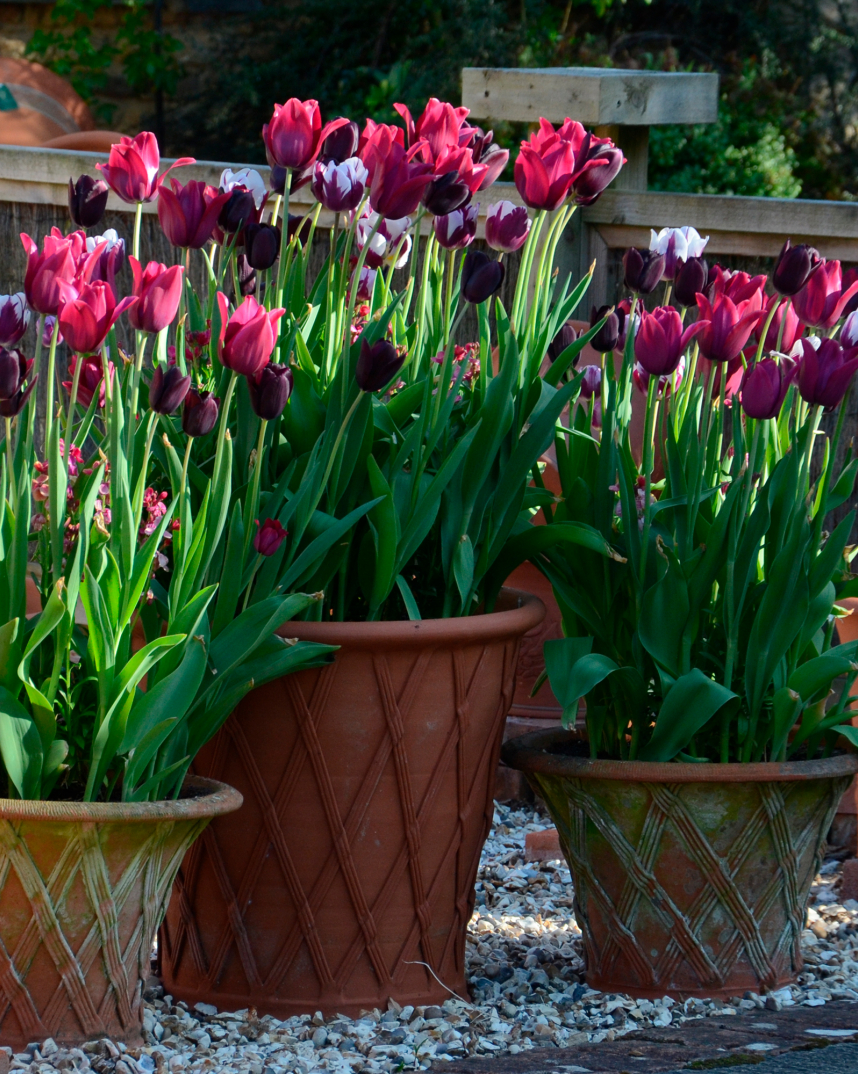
(651, 406)
(185, 464)
(10, 453)
(251, 505)
(140, 350)
(353, 290)
(49, 404)
(138, 219)
(782, 325)
(330, 330)
(522, 284)
(224, 423)
(698, 487)
(762, 344)
(73, 397)
(448, 296)
(284, 241)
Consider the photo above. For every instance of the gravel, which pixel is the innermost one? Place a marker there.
(525, 971)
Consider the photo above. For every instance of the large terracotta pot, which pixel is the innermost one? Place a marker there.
(83, 889)
(348, 877)
(690, 879)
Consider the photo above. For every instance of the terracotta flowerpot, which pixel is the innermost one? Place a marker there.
(348, 877)
(690, 879)
(83, 888)
(844, 828)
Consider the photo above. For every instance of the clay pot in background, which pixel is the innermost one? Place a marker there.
(844, 827)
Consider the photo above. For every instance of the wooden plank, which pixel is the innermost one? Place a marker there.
(591, 95)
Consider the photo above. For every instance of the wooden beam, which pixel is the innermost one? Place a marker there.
(592, 95)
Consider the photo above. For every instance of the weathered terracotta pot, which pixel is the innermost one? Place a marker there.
(348, 876)
(690, 879)
(83, 889)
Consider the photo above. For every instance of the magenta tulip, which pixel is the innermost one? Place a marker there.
(764, 386)
(728, 329)
(792, 329)
(88, 315)
(247, 338)
(188, 214)
(91, 378)
(131, 170)
(820, 303)
(739, 286)
(661, 340)
(158, 290)
(269, 537)
(294, 134)
(398, 183)
(439, 126)
(45, 270)
(824, 372)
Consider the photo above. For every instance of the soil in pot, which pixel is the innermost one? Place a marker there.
(690, 879)
(83, 888)
(348, 877)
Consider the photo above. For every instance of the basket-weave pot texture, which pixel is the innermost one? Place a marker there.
(83, 888)
(348, 876)
(690, 879)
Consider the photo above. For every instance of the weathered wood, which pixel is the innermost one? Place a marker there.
(634, 142)
(590, 95)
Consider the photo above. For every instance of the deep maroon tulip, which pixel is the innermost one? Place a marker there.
(481, 276)
(91, 378)
(56, 262)
(277, 179)
(488, 153)
(14, 318)
(820, 303)
(340, 187)
(247, 338)
(14, 391)
(246, 276)
(294, 134)
(640, 379)
(457, 229)
(341, 143)
(824, 373)
(199, 414)
(642, 270)
(660, 340)
(269, 538)
(131, 170)
(158, 290)
(270, 390)
(238, 210)
(261, 245)
(794, 267)
(300, 227)
(398, 183)
(728, 328)
(792, 329)
(446, 194)
(87, 200)
(377, 365)
(88, 315)
(691, 279)
(564, 338)
(591, 183)
(507, 226)
(606, 339)
(188, 214)
(764, 387)
(739, 286)
(168, 389)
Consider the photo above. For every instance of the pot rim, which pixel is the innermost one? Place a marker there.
(212, 800)
(521, 613)
(530, 753)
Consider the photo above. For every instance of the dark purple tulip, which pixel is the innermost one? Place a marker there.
(794, 267)
(564, 338)
(377, 365)
(240, 209)
(270, 390)
(661, 339)
(642, 269)
(11, 408)
(824, 373)
(456, 230)
(199, 414)
(261, 245)
(445, 194)
(87, 200)
(492, 156)
(299, 226)
(341, 143)
(481, 276)
(606, 339)
(168, 389)
(591, 182)
(14, 318)
(246, 276)
(277, 179)
(691, 278)
(764, 387)
(13, 372)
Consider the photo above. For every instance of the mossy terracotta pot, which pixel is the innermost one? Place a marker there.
(348, 877)
(83, 889)
(690, 879)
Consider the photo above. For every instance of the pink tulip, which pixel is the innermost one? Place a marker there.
(157, 290)
(739, 286)
(439, 125)
(247, 338)
(131, 170)
(88, 313)
(398, 183)
(91, 378)
(294, 134)
(188, 214)
(823, 298)
(728, 329)
(555, 161)
(661, 340)
(56, 262)
(792, 329)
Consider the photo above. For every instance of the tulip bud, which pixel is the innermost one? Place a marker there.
(14, 318)
(763, 389)
(564, 338)
(261, 245)
(13, 372)
(445, 194)
(592, 381)
(199, 414)
(269, 538)
(606, 339)
(167, 389)
(507, 226)
(642, 270)
(481, 277)
(270, 390)
(341, 143)
(377, 365)
(794, 267)
(825, 372)
(691, 278)
(87, 200)
(457, 229)
(240, 208)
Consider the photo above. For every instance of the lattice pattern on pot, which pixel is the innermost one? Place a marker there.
(183, 943)
(692, 943)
